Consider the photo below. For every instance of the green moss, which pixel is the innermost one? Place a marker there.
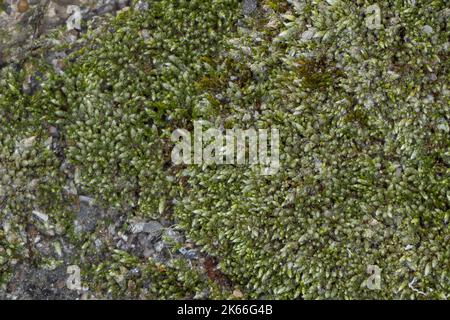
(277, 5)
(364, 150)
(334, 208)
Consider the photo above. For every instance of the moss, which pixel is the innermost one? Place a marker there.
(277, 5)
(364, 151)
(311, 230)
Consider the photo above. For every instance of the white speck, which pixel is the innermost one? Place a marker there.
(443, 126)
(427, 29)
(40, 215)
(86, 199)
(308, 34)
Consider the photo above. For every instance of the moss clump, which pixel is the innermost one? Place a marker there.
(361, 182)
(30, 179)
(122, 98)
(126, 277)
(363, 119)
